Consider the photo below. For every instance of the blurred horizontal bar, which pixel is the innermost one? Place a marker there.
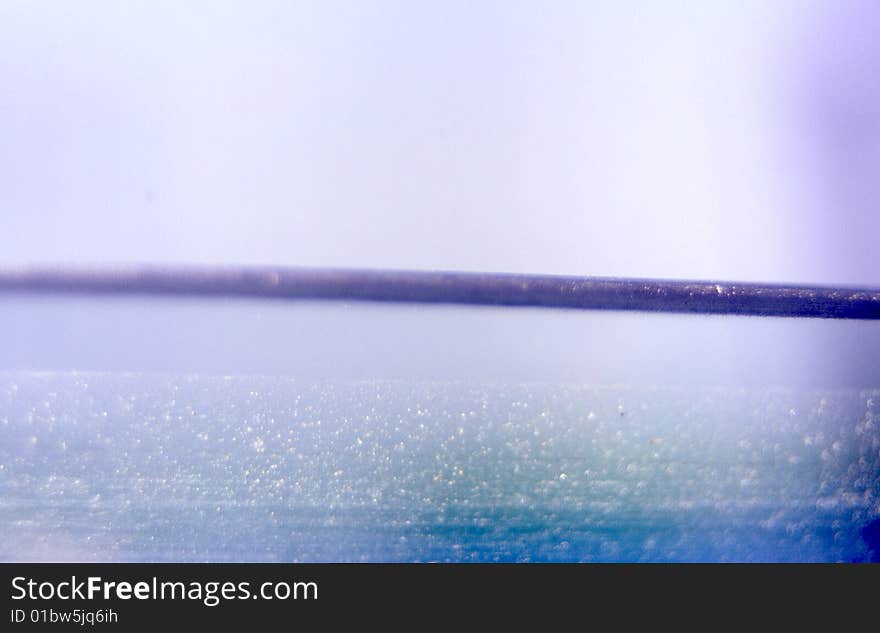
(548, 291)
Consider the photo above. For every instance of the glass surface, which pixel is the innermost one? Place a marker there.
(209, 431)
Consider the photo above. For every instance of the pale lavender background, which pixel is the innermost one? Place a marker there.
(734, 140)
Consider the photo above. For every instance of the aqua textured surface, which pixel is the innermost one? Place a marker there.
(155, 467)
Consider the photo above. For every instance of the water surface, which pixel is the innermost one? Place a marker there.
(165, 467)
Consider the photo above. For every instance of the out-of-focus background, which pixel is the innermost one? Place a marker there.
(715, 140)
(728, 140)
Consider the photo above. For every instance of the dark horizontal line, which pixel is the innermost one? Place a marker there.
(492, 289)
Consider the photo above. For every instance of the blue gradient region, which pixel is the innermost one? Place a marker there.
(163, 467)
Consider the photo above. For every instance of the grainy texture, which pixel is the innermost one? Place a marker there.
(585, 293)
(145, 467)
